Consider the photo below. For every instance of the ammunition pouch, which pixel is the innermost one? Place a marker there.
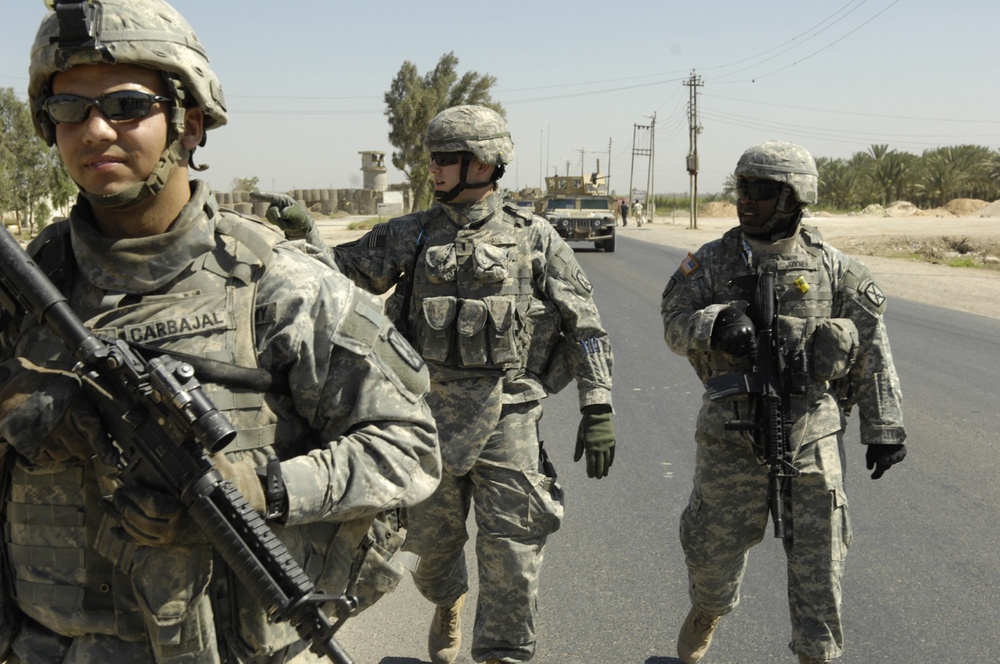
(379, 568)
(817, 349)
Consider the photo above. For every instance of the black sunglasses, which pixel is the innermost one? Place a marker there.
(447, 158)
(758, 191)
(121, 106)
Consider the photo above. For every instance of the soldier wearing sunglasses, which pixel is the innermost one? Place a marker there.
(326, 397)
(834, 356)
(496, 303)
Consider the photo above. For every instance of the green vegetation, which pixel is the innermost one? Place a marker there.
(964, 261)
(365, 224)
(883, 175)
(412, 102)
(32, 178)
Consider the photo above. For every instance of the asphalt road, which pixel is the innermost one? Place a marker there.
(923, 573)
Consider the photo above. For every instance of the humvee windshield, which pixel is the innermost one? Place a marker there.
(562, 204)
(570, 204)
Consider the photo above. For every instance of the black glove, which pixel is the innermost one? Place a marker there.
(733, 332)
(45, 416)
(596, 435)
(285, 213)
(881, 457)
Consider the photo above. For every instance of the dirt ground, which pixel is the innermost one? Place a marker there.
(897, 250)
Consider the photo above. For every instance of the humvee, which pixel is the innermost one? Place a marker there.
(578, 212)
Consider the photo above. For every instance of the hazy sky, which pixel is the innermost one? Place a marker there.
(305, 79)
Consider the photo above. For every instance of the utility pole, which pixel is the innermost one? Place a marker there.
(650, 201)
(694, 82)
(607, 183)
(642, 131)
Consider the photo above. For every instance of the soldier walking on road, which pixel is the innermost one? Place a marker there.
(835, 356)
(496, 303)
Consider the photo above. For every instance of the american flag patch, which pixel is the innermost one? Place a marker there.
(689, 265)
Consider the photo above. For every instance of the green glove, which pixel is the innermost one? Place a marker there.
(285, 213)
(596, 435)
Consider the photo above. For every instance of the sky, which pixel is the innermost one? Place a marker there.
(584, 81)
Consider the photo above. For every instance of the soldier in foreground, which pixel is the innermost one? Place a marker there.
(498, 306)
(106, 570)
(831, 355)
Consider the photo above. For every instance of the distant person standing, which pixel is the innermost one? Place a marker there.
(637, 213)
(624, 209)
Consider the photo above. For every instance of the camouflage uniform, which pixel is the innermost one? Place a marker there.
(728, 509)
(352, 430)
(485, 279)
(354, 434)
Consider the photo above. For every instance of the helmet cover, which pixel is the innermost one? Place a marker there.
(148, 33)
(782, 162)
(476, 129)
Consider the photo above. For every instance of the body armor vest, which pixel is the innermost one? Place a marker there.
(473, 291)
(54, 518)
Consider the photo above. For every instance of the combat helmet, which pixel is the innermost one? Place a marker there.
(782, 162)
(147, 33)
(476, 129)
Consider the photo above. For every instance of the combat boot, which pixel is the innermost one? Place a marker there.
(445, 637)
(809, 660)
(696, 635)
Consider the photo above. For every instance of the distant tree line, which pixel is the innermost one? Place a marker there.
(883, 175)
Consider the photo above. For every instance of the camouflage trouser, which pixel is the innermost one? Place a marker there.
(728, 513)
(513, 517)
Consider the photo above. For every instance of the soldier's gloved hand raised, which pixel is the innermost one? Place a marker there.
(733, 332)
(45, 416)
(284, 212)
(596, 437)
(881, 457)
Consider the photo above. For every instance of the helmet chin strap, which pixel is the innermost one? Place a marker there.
(175, 153)
(463, 184)
(784, 220)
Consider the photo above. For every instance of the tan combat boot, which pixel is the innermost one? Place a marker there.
(696, 635)
(809, 660)
(445, 637)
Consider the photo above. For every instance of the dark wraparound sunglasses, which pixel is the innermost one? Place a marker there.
(121, 106)
(758, 191)
(447, 158)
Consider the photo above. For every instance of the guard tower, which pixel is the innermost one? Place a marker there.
(373, 167)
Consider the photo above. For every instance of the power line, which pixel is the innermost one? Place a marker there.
(830, 45)
(855, 113)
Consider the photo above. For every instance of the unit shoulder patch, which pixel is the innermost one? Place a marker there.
(874, 294)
